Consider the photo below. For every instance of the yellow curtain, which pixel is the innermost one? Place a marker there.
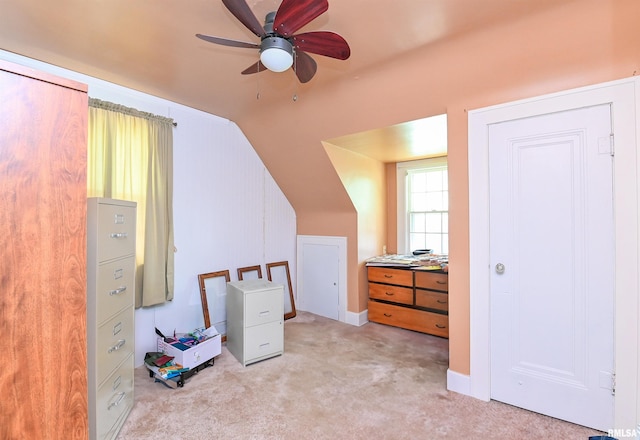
(130, 157)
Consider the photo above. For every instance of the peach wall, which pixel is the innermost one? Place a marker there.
(364, 180)
(575, 44)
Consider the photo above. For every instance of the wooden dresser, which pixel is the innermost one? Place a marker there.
(414, 299)
(111, 265)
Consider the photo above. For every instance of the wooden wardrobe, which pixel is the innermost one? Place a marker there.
(43, 199)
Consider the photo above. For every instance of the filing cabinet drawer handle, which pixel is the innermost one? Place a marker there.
(265, 345)
(118, 235)
(264, 313)
(118, 291)
(441, 326)
(116, 383)
(121, 396)
(118, 346)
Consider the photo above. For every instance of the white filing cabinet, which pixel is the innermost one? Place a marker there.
(255, 320)
(111, 247)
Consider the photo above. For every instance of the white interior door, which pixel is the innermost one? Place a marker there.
(552, 257)
(319, 290)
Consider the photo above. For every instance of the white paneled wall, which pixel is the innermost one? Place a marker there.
(228, 210)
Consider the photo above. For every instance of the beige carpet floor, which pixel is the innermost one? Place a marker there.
(334, 381)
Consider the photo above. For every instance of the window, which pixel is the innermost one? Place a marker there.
(423, 206)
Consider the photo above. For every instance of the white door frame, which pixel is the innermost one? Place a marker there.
(625, 97)
(341, 242)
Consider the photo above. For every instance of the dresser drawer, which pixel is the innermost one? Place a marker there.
(116, 231)
(264, 341)
(264, 306)
(432, 300)
(390, 276)
(397, 294)
(432, 280)
(114, 290)
(114, 398)
(412, 319)
(115, 343)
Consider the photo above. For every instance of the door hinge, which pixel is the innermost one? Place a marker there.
(612, 148)
(613, 384)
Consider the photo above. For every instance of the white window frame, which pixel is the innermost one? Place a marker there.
(402, 169)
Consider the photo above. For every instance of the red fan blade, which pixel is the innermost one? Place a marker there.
(304, 66)
(242, 12)
(293, 14)
(324, 43)
(225, 42)
(254, 68)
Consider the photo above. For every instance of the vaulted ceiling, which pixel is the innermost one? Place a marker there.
(150, 45)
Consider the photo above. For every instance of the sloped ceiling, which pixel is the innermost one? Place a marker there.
(149, 45)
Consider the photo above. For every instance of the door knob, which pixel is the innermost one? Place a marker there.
(500, 268)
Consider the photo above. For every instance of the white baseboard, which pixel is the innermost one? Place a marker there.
(357, 319)
(459, 383)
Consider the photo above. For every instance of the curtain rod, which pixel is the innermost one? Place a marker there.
(106, 105)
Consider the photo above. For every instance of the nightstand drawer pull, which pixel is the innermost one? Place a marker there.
(118, 291)
(118, 346)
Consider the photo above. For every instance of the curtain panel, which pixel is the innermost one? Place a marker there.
(130, 157)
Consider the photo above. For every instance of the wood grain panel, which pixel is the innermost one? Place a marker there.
(432, 280)
(391, 293)
(412, 319)
(388, 275)
(43, 256)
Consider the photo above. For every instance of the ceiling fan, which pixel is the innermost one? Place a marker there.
(280, 47)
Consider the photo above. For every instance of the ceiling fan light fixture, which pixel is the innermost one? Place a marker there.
(276, 54)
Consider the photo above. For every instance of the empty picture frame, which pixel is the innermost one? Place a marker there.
(213, 294)
(279, 273)
(249, 273)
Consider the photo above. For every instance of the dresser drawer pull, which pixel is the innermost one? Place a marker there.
(442, 301)
(440, 282)
(117, 291)
(118, 235)
(388, 293)
(388, 276)
(121, 396)
(441, 326)
(118, 346)
(388, 315)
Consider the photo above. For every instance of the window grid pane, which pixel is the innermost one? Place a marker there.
(428, 204)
